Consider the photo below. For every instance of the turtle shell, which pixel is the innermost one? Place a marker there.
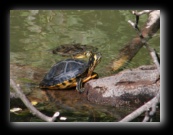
(64, 73)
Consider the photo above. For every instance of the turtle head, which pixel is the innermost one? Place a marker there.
(97, 58)
(93, 61)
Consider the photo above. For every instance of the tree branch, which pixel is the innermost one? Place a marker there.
(127, 53)
(30, 106)
(152, 52)
(142, 12)
(154, 56)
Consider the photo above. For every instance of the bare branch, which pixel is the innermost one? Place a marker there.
(142, 12)
(135, 26)
(30, 106)
(150, 113)
(154, 56)
(147, 117)
(130, 49)
(152, 52)
(142, 109)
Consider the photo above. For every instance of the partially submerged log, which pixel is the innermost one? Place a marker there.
(129, 87)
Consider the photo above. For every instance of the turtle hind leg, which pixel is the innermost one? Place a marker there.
(79, 85)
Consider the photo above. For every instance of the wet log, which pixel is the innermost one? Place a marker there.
(129, 87)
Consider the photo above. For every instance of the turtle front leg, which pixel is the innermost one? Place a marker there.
(79, 85)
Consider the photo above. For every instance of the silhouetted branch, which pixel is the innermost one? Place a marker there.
(30, 106)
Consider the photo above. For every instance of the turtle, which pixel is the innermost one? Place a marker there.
(71, 73)
(75, 50)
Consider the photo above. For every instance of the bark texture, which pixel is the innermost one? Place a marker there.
(129, 87)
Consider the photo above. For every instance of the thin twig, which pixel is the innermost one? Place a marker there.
(153, 53)
(30, 106)
(150, 113)
(130, 49)
(147, 117)
(135, 26)
(154, 56)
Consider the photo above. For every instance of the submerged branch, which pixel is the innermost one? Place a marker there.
(30, 106)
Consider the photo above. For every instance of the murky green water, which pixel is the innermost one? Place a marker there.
(33, 33)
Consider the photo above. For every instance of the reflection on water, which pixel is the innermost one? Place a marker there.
(34, 33)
